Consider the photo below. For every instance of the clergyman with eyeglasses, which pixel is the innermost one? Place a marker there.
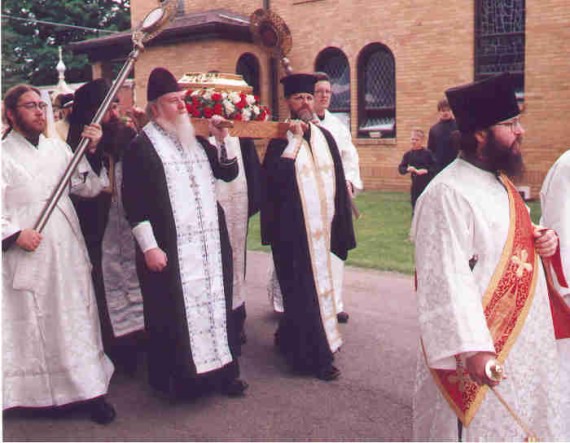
(305, 216)
(481, 289)
(52, 350)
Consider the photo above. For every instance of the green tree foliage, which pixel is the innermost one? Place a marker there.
(29, 49)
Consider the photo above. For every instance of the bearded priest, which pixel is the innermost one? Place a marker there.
(184, 258)
(304, 217)
(481, 290)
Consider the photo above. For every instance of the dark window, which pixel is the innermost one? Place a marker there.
(376, 92)
(248, 67)
(335, 64)
(500, 39)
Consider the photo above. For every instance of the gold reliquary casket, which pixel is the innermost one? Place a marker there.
(228, 95)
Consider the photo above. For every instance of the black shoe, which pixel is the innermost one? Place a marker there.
(102, 412)
(342, 317)
(328, 373)
(235, 388)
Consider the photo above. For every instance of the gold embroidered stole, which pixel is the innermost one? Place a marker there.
(315, 174)
(506, 304)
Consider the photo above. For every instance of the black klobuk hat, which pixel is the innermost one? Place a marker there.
(161, 81)
(298, 83)
(485, 103)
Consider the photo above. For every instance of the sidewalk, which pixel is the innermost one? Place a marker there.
(370, 401)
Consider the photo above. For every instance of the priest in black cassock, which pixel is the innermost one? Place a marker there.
(184, 258)
(304, 217)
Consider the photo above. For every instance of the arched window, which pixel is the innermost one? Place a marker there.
(376, 92)
(248, 67)
(335, 64)
(500, 39)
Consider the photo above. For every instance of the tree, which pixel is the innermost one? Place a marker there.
(29, 49)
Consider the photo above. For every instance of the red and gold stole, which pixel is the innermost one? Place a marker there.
(506, 303)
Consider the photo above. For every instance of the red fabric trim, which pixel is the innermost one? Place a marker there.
(556, 261)
(558, 307)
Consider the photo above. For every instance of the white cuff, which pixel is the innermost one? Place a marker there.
(145, 236)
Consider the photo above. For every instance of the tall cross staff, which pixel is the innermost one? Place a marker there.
(149, 27)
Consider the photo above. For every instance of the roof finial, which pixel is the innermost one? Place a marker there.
(61, 84)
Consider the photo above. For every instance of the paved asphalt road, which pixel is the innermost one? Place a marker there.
(370, 401)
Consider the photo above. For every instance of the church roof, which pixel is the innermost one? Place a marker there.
(205, 25)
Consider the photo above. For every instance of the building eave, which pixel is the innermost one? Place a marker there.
(214, 24)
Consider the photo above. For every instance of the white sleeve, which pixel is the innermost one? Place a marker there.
(350, 160)
(450, 308)
(9, 227)
(144, 235)
(84, 182)
(555, 205)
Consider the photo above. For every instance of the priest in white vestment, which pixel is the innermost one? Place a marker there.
(350, 164)
(463, 230)
(184, 258)
(555, 205)
(52, 349)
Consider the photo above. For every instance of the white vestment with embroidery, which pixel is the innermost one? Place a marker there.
(233, 198)
(52, 351)
(122, 287)
(192, 192)
(464, 213)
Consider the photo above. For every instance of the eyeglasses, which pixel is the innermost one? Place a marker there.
(42, 106)
(511, 124)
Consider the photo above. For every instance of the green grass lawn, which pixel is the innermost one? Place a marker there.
(382, 232)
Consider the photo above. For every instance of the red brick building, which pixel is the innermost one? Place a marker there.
(390, 60)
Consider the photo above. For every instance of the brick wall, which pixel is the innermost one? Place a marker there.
(547, 86)
(432, 42)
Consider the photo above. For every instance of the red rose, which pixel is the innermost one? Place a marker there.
(216, 96)
(195, 101)
(262, 115)
(189, 108)
(189, 92)
(240, 105)
(208, 112)
(196, 113)
(237, 117)
(218, 109)
(256, 97)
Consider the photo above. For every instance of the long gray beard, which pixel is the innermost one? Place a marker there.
(183, 129)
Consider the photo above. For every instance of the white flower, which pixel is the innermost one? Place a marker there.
(250, 99)
(255, 110)
(234, 97)
(207, 94)
(246, 114)
(229, 107)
